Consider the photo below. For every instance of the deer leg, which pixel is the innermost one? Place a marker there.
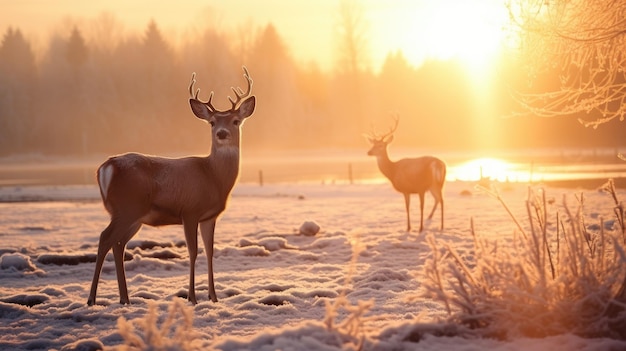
(437, 196)
(108, 238)
(119, 249)
(103, 248)
(421, 195)
(207, 230)
(438, 199)
(407, 205)
(430, 216)
(191, 236)
(441, 213)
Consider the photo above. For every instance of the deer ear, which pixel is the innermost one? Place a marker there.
(199, 109)
(247, 107)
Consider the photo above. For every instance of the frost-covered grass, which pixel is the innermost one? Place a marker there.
(560, 272)
(350, 286)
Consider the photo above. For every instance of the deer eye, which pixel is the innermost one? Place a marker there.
(212, 123)
(236, 122)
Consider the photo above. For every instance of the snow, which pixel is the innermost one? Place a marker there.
(352, 283)
(16, 262)
(309, 228)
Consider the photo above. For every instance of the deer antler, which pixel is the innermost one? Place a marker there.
(373, 135)
(191, 84)
(238, 92)
(240, 95)
(209, 104)
(396, 120)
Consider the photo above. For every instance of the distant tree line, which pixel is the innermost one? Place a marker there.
(83, 97)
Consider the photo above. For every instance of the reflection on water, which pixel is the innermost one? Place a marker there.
(480, 168)
(339, 166)
(504, 171)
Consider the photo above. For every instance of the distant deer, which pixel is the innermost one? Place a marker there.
(410, 175)
(138, 189)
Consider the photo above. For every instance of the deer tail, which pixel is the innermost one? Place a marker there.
(438, 169)
(105, 174)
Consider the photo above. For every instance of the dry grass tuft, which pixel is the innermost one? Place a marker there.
(554, 276)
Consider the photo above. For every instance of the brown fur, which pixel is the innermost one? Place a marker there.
(139, 189)
(411, 176)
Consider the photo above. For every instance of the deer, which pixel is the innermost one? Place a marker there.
(410, 175)
(138, 189)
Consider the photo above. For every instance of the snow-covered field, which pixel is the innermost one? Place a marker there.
(274, 284)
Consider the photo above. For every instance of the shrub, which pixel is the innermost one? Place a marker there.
(175, 333)
(556, 276)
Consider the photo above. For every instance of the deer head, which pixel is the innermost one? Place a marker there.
(380, 142)
(225, 124)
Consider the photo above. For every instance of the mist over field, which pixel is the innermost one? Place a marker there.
(92, 87)
(320, 245)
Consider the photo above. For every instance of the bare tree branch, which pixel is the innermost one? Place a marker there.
(583, 45)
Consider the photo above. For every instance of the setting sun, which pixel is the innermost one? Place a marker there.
(470, 31)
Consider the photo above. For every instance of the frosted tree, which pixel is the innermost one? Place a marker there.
(105, 32)
(77, 52)
(276, 87)
(352, 63)
(583, 45)
(352, 40)
(155, 71)
(574, 53)
(18, 85)
(77, 55)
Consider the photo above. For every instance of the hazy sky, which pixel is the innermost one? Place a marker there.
(420, 28)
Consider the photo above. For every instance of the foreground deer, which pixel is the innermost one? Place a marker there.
(410, 175)
(138, 189)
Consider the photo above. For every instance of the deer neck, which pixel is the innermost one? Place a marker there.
(224, 164)
(385, 165)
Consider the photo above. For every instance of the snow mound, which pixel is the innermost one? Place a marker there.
(84, 345)
(309, 228)
(63, 259)
(27, 300)
(17, 261)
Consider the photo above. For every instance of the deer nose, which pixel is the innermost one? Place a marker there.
(222, 134)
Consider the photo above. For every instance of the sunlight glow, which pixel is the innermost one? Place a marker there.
(482, 168)
(468, 30)
(465, 31)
